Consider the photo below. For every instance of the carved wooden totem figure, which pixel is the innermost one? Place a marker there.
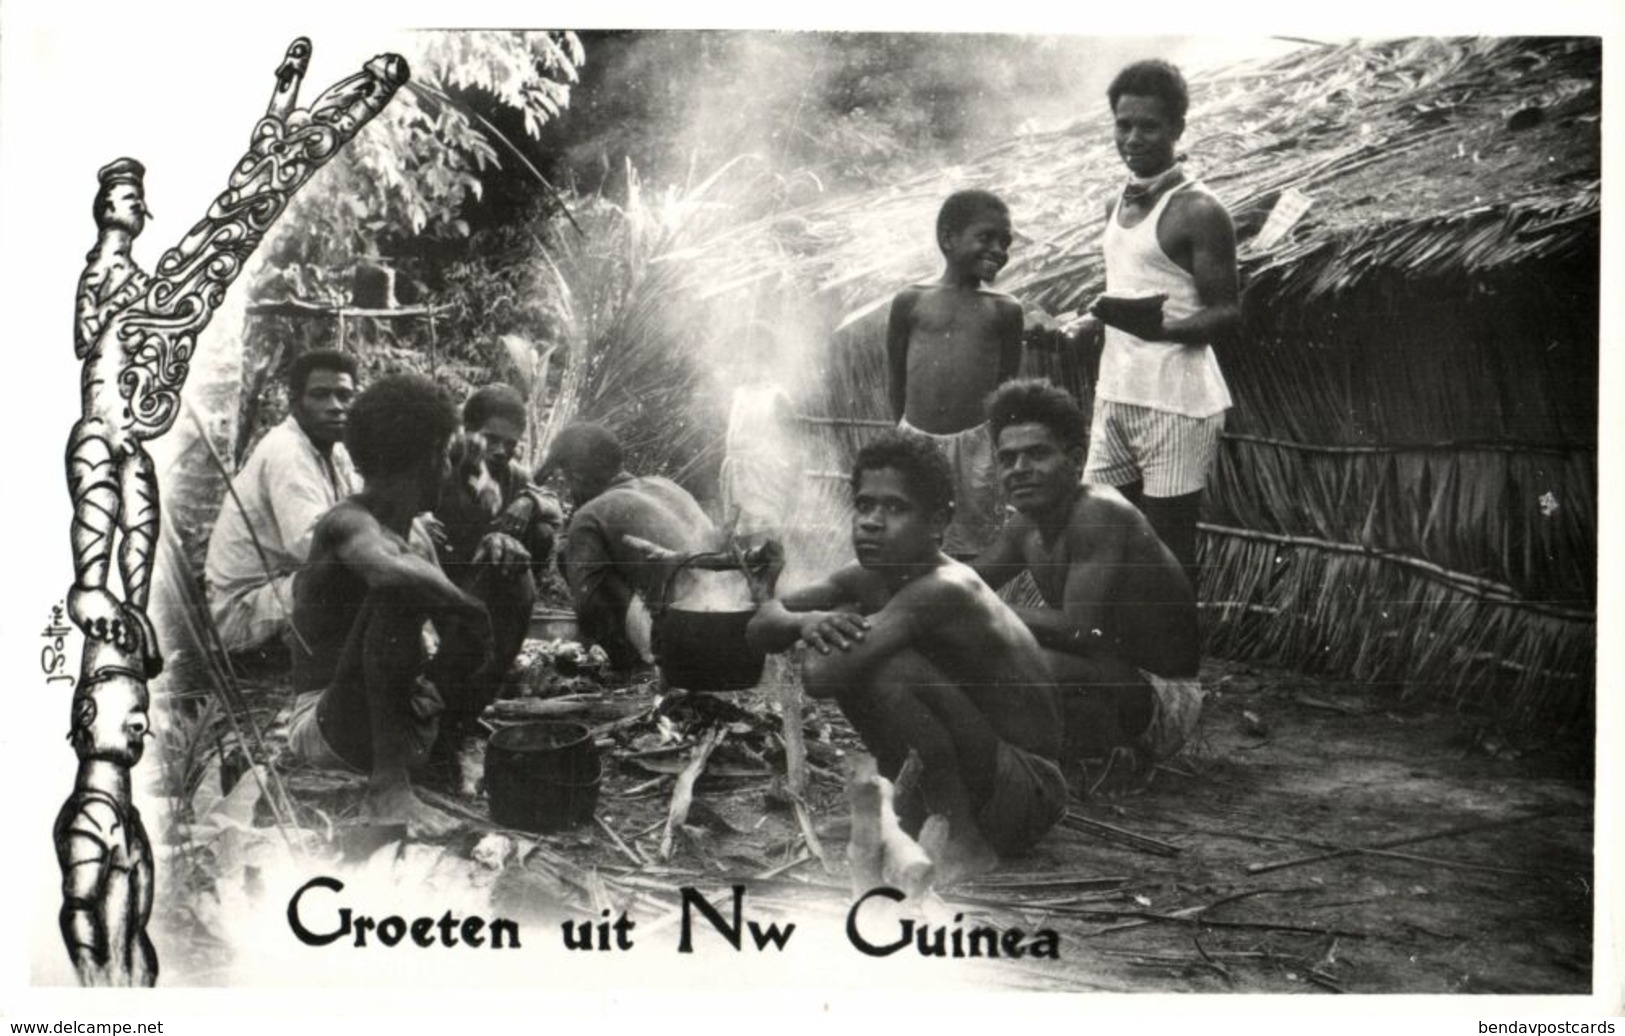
(135, 334)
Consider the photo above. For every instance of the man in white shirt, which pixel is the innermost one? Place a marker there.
(296, 473)
(1172, 292)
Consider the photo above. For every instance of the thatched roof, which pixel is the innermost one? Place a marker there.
(1420, 154)
(1407, 489)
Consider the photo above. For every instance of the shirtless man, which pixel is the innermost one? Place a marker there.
(367, 698)
(493, 530)
(618, 545)
(1119, 624)
(1161, 398)
(920, 655)
(949, 343)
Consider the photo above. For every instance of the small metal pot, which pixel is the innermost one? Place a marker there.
(542, 776)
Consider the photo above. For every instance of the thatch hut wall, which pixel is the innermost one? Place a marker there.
(1407, 488)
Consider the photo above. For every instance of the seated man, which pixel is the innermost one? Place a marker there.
(921, 655)
(495, 530)
(605, 570)
(1119, 623)
(296, 473)
(367, 696)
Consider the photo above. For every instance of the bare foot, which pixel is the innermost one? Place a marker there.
(904, 864)
(398, 805)
(863, 849)
(957, 854)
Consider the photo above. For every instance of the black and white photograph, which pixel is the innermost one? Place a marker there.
(862, 512)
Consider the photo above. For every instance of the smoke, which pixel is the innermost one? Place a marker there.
(850, 109)
(797, 117)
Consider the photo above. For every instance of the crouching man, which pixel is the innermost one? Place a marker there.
(1118, 625)
(920, 655)
(369, 697)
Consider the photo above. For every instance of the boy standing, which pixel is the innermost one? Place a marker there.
(921, 655)
(1160, 401)
(948, 344)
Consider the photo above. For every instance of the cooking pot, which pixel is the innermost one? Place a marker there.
(542, 776)
(704, 650)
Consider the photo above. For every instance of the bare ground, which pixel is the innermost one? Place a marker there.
(1174, 893)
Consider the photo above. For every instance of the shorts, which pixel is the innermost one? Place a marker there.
(1170, 454)
(1029, 798)
(977, 514)
(1176, 710)
(307, 744)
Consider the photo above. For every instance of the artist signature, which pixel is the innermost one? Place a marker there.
(53, 657)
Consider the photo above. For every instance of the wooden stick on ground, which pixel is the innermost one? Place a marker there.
(1394, 843)
(804, 818)
(682, 796)
(795, 744)
(1078, 821)
(630, 852)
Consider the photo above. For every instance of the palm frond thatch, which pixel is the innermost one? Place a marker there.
(1418, 370)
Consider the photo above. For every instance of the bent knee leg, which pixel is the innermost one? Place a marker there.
(910, 671)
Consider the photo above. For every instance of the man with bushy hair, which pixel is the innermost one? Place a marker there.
(369, 697)
(1118, 626)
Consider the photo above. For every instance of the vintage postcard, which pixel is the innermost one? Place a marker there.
(659, 506)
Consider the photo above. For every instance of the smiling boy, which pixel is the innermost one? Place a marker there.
(920, 655)
(948, 344)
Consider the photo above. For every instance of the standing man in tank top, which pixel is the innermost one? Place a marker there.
(1171, 293)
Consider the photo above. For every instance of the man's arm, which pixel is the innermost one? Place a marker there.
(1210, 239)
(386, 563)
(1082, 625)
(1003, 561)
(1008, 332)
(902, 624)
(898, 327)
(598, 592)
(821, 614)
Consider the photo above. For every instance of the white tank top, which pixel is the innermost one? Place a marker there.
(1167, 376)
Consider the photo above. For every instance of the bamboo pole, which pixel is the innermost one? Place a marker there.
(1463, 445)
(1484, 589)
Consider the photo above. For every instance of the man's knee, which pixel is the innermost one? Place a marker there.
(906, 671)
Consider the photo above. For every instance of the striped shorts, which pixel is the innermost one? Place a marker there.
(1170, 453)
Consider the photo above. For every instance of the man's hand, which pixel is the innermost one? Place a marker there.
(763, 565)
(1082, 332)
(436, 530)
(503, 551)
(826, 631)
(1141, 318)
(477, 621)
